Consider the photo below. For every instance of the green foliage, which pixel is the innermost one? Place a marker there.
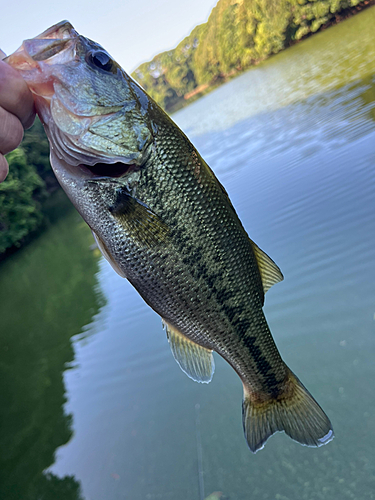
(36, 147)
(51, 487)
(29, 183)
(179, 65)
(238, 34)
(20, 196)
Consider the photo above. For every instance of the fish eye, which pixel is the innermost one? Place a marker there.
(101, 60)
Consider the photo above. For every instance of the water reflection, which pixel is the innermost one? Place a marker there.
(47, 293)
(327, 61)
(323, 122)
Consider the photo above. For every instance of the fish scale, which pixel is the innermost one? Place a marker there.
(163, 221)
(229, 298)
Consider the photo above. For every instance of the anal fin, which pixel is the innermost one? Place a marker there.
(196, 361)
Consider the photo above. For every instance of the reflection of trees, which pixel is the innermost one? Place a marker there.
(46, 296)
(50, 487)
(368, 96)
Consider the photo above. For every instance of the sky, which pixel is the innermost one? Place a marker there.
(132, 31)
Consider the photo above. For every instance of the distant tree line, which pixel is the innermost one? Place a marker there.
(237, 35)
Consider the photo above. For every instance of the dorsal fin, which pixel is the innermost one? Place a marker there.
(196, 361)
(269, 271)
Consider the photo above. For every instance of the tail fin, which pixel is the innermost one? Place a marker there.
(294, 411)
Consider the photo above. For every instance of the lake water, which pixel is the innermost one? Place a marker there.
(93, 405)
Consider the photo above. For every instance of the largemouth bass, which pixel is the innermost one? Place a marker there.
(164, 222)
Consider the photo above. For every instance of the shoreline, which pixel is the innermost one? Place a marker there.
(221, 79)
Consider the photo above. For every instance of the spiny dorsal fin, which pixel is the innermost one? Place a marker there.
(196, 361)
(269, 271)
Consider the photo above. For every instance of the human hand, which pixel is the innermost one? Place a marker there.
(16, 111)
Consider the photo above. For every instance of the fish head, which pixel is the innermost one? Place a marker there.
(95, 116)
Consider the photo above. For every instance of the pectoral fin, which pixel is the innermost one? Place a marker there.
(196, 361)
(139, 220)
(269, 271)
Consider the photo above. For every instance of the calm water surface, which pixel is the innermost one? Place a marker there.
(94, 406)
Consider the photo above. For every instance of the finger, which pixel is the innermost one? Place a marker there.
(3, 168)
(15, 96)
(11, 132)
(27, 124)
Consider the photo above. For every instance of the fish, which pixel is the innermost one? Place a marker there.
(166, 224)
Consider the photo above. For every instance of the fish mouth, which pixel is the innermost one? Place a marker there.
(55, 40)
(61, 30)
(119, 172)
(102, 171)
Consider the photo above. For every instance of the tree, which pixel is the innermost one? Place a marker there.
(238, 33)
(20, 201)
